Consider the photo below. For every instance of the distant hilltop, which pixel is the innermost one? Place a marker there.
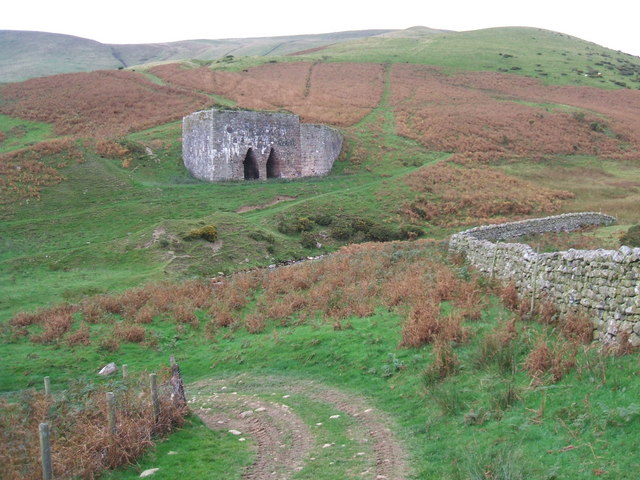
(528, 51)
(25, 54)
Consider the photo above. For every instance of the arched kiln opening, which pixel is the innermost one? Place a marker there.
(274, 165)
(251, 171)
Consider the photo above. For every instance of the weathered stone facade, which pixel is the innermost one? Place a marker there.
(235, 145)
(604, 284)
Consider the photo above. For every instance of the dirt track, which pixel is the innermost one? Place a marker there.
(285, 443)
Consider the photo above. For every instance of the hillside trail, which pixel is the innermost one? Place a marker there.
(292, 424)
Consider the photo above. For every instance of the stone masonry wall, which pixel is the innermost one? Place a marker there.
(604, 284)
(320, 146)
(217, 143)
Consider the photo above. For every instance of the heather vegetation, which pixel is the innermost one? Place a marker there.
(111, 251)
(334, 93)
(98, 104)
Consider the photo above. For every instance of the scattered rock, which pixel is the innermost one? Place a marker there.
(172, 453)
(108, 369)
(260, 409)
(332, 417)
(246, 414)
(149, 472)
(235, 432)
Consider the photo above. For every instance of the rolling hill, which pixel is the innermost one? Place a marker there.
(25, 55)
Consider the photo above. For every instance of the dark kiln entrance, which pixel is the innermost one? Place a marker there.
(274, 169)
(251, 171)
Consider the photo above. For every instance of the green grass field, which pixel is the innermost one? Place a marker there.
(555, 58)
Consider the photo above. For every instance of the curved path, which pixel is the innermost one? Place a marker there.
(286, 444)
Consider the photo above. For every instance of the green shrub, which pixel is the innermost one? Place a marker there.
(380, 232)
(410, 232)
(631, 238)
(322, 218)
(342, 228)
(290, 226)
(262, 236)
(363, 225)
(308, 240)
(208, 233)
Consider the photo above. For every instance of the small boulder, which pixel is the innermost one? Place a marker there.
(148, 473)
(108, 369)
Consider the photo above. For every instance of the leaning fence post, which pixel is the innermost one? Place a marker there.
(155, 400)
(47, 386)
(177, 386)
(111, 408)
(45, 452)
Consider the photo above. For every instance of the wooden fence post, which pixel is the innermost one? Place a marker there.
(111, 409)
(47, 386)
(45, 452)
(493, 263)
(155, 400)
(177, 385)
(534, 281)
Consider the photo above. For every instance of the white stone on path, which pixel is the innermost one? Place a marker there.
(148, 473)
(235, 432)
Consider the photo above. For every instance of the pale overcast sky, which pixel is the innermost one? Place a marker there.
(612, 23)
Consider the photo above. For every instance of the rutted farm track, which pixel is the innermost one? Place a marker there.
(300, 427)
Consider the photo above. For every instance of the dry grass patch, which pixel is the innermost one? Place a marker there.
(451, 195)
(81, 443)
(98, 104)
(333, 93)
(499, 115)
(409, 277)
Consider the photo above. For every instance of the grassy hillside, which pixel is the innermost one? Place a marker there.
(98, 260)
(100, 199)
(553, 57)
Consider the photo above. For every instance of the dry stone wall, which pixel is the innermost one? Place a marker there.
(604, 284)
